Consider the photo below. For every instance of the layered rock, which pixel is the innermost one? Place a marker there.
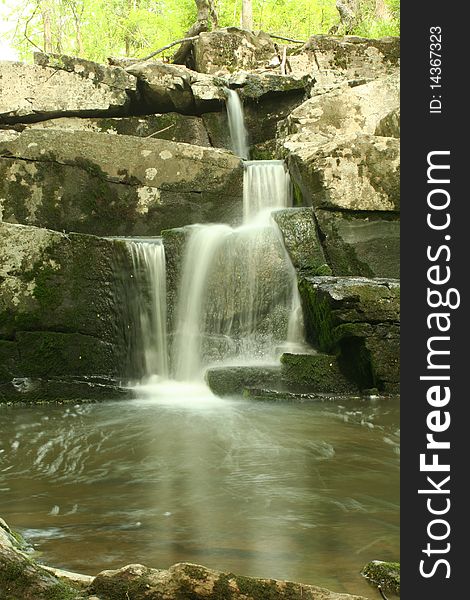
(93, 183)
(169, 126)
(61, 310)
(35, 92)
(231, 49)
(358, 320)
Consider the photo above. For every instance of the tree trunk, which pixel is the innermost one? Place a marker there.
(247, 15)
(46, 20)
(349, 14)
(205, 13)
(382, 11)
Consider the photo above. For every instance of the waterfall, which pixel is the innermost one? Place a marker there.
(148, 259)
(238, 298)
(236, 124)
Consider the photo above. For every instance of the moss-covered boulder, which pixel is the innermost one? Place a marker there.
(355, 172)
(62, 308)
(35, 92)
(185, 580)
(358, 319)
(383, 574)
(361, 243)
(115, 185)
(231, 49)
(301, 240)
(389, 125)
(316, 373)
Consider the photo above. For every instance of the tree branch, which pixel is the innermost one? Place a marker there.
(279, 37)
(187, 39)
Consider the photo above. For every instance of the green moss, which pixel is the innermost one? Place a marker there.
(385, 574)
(222, 589)
(319, 318)
(61, 591)
(195, 572)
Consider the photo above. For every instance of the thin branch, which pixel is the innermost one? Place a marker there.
(381, 592)
(161, 131)
(26, 28)
(279, 37)
(188, 39)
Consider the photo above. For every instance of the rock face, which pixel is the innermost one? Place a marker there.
(357, 172)
(89, 182)
(33, 92)
(60, 304)
(358, 320)
(231, 49)
(168, 126)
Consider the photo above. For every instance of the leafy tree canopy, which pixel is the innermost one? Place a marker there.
(96, 29)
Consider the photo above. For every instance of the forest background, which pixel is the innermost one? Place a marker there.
(97, 29)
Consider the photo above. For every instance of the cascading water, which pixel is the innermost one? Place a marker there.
(238, 298)
(236, 124)
(148, 259)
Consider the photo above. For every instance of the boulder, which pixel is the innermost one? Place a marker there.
(355, 172)
(165, 87)
(185, 580)
(60, 389)
(120, 185)
(344, 110)
(301, 240)
(315, 374)
(350, 57)
(361, 243)
(383, 574)
(231, 49)
(34, 92)
(62, 308)
(357, 319)
(168, 126)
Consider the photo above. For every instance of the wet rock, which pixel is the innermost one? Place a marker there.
(168, 126)
(185, 580)
(356, 172)
(61, 310)
(120, 185)
(361, 243)
(358, 320)
(34, 92)
(301, 240)
(314, 374)
(21, 577)
(231, 49)
(64, 389)
(383, 574)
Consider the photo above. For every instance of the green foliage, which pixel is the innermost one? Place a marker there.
(96, 29)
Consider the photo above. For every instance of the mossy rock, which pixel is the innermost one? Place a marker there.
(383, 574)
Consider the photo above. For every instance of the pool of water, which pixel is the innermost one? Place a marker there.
(301, 491)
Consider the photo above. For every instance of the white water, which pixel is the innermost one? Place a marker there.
(236, 124)
(148, 258)
(238, 298)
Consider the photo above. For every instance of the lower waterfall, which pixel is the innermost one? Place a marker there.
(238, 297)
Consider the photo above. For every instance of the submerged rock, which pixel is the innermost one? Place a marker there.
(34, 92)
